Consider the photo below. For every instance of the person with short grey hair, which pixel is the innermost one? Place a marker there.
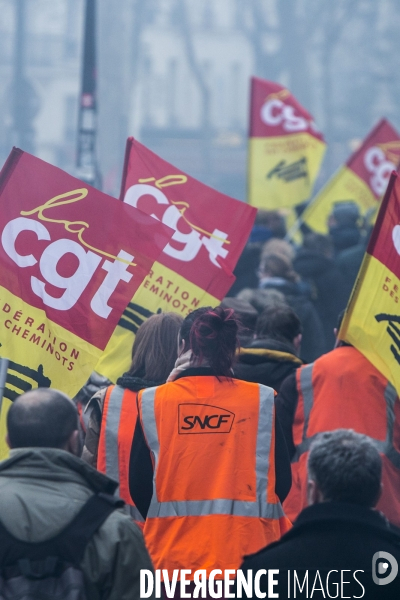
(344, 466)
(339, 539)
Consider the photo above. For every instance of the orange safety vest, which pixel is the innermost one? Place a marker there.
(213, 448)
(342, 389)
(116, 434)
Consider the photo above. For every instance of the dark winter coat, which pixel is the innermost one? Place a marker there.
(246, 269)
(344, 237)
(43, 489)
(327, 537)
(349, 263)
(266, 361)
(313, 341)
(329, 294)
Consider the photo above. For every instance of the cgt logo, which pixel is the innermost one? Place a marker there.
(172, 213)
(380, 168)
(204, 418)
(18, 248)
(381, 573)
(276, 113)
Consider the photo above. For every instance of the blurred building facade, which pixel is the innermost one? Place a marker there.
(51, 51)
(175, 74)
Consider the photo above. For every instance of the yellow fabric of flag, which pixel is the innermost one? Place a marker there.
(70, 260)
(372, 319)
(285, 148)
(195, 268)
(162, 291)
(363, 179)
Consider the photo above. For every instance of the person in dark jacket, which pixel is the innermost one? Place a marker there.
(349, 261)
(274, 353)
(154, 353)
(314, 263)
(339, 544)
(276, 272)
(343, 223)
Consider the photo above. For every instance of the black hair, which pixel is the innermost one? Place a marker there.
(41, 418)
(278, 322)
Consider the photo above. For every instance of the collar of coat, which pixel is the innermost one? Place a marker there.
(135, 384)
(326, 514)
(266, 354)
(55, 465)
(199, 372)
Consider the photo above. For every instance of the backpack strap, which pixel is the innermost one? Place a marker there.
(89, 519)
(70, 543)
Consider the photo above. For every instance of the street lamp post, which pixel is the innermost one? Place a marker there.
(87, 168)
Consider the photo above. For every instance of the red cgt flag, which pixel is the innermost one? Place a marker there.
(70, 260)
(285, 148)
(372, 319)
(363, 179)
(195, 268)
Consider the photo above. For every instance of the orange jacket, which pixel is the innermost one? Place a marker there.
(342, 389)
(212, 443)
(116, 434)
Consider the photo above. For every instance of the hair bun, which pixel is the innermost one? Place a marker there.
(213, 337)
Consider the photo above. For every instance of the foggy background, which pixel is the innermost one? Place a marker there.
(175, 74)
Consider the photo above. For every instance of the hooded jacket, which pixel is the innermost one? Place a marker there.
(94, 411)
(266, 361)
(43, 489)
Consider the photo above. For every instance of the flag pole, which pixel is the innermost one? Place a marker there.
(87, 165)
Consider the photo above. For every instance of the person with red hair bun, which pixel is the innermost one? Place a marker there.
(204, 455)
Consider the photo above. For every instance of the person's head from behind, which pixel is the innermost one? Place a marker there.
(154, 350)
(280, 323)
(345, 213)
(319, 244)
(280, 247)
(277, 265)
(43, 418)
(344, 466)
(262, 298)
(211, 334)
(273, 220)
(246, 314)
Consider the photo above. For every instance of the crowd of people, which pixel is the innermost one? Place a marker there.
(244, 436)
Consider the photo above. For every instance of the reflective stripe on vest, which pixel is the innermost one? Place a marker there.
(220, 506)
(387, 448)
(111, 432)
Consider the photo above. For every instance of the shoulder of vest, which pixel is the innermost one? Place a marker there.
(149, 391)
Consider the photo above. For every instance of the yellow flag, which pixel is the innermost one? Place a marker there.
(363, 179)
(372, 320)
(285, 148)
(70, 260)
